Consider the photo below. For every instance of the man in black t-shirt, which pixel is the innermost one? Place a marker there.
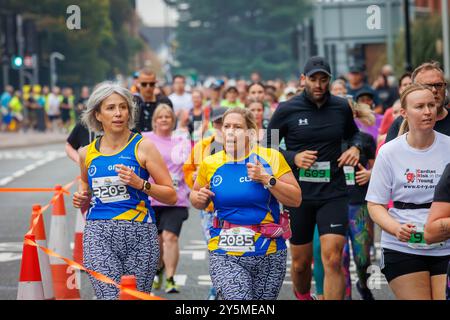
(313, 125)
(429, 74)
(147, 101)
(437, 228)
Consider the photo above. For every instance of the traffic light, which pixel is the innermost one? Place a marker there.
(9, 31)
(16, 62)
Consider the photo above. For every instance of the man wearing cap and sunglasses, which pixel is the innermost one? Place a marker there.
(313, 125)
(146, 100)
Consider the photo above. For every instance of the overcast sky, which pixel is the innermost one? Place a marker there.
(155, 13)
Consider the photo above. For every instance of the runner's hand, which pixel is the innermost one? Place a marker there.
(204, 195)
(362, 176)
(128, 177)
(305, 159)
(404, 232)
(257, 173)
(80, 199)
(349, 157)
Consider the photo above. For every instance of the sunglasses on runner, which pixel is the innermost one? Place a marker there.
(149, 84)
(438, 86)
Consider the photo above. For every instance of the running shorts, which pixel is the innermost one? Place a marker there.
(170, 218)
(395, 263)
(331, 217)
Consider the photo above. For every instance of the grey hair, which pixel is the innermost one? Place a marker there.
(102, 91)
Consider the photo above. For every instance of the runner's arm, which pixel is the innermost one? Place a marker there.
(162, 190)
(437, 227)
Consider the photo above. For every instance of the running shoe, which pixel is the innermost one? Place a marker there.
(365, 293)
(171, 287)
(157, 281)
(212, 294)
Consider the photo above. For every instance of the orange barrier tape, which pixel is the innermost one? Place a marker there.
(96, 275)
(27, 189)
(64, 190)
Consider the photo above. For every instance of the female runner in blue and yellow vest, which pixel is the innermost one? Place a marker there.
(120, 237)
(246, 184)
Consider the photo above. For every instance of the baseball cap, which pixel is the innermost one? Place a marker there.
(290, 90)
(316, 64)
(217, 113)
(364, 92)
(356, 68)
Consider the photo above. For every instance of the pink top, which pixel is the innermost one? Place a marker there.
(175, 150)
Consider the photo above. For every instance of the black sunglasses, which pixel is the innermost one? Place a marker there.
(438, 86)
(150, 84)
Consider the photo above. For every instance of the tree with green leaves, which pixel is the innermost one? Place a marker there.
(102, 48)
(238, 37)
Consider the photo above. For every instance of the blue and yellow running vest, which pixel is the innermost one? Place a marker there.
(111, 199)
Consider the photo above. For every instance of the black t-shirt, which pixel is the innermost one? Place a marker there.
(304, 126)
(442, 191)
(146, 110)
(356, 192)
(441, 126)
(80, 136)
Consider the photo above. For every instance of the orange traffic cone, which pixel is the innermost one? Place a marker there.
(65, 278)
(128, 282)
(79, 228)
(30, 281)
(44, 262)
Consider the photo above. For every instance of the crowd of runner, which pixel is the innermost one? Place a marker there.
(316, 162)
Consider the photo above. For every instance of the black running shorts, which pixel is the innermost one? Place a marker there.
(170, 218)
(331, 217)
(395, 264)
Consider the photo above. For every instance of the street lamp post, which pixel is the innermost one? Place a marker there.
(445, 35)
(408, 62)
(53, 75)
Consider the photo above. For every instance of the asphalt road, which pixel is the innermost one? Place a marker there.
(46, 166)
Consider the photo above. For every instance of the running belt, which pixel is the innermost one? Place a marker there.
(407, 205)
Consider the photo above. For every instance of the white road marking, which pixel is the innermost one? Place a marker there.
(50, 156)
(199, 255)
(9, 256)
(180, 279)
(204, 277)
(11, 246)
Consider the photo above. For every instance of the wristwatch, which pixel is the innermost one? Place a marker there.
(146, 186)
(272, 182)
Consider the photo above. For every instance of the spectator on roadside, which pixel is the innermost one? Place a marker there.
(181, 99)
(356, 83)
(231, 98)
(53, 111)
(198, 121)
(81, 102)
(65, 108)
(5, 99)
(146, 100)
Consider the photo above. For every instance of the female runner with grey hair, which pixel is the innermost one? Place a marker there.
(120, 237)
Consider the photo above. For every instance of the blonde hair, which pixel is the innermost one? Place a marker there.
(409, 89)
(246, 114)
(161, 108)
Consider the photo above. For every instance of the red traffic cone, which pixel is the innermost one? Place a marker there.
(44, 262)
(128, 282)
(78, 244)
(30, 281)
(65, 278)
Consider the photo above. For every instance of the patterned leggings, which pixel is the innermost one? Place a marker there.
(248, 278)
(116, 248)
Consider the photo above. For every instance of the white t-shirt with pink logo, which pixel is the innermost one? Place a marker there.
(405, 174)
(175, 150)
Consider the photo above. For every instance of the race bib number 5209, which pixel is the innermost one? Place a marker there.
(109, 189)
